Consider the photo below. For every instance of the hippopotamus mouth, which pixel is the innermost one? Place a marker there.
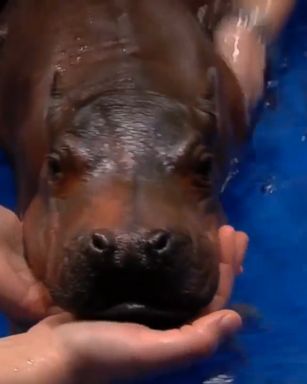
(140, 313)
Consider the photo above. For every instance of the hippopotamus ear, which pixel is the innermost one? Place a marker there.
(3, 24)
(3, 34)
(57, 105)
(231, 114)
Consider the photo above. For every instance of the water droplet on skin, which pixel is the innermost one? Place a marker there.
(83, 48)
(30, 362)
(59, 68)
(16, 370)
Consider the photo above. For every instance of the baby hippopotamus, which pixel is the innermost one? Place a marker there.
(120, 120)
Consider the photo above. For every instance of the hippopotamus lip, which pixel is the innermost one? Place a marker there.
(144, 314)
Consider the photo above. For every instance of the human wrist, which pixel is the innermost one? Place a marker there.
(30, 358)
(253, 21)
(246, 23)
(79, 364)
(265, 16)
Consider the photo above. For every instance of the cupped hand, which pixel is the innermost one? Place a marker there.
(100, 352)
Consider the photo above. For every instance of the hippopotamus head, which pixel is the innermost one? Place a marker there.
(124, 219)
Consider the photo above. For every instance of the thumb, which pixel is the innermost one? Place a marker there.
(182, 346)
(21, 295)
(199, 339)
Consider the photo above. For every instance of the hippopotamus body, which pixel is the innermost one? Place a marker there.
(120, 120)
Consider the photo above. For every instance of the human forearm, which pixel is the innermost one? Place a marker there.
(273, 13)
(26, 360)
(242, 37)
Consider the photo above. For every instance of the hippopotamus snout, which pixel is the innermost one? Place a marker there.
(141, 275)
(159, 244)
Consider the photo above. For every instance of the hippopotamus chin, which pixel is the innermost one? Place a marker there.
(121, 120)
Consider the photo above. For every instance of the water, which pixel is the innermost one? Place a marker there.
(268, 199)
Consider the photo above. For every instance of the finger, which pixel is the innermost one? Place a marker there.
(200, 339)
(227, 236)
(22, 301)
(10, 229)
(21, 295)
(241, 240)
(53, 321)
(224, 290)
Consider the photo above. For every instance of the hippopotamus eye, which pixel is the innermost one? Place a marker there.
(56, 85)
(205, 164)
(202, 159)
(55, 170)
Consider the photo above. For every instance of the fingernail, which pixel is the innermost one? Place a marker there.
(230, 324)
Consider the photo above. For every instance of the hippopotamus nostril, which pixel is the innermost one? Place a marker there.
(101, 242)
(159, 241)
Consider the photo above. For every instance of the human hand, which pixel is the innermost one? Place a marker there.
(61, 350)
